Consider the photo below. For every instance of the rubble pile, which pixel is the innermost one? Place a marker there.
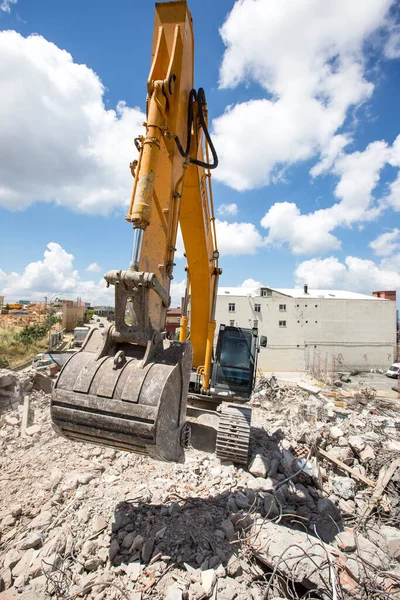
(315, 516)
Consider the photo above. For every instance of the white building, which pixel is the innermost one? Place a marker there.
(316, 330)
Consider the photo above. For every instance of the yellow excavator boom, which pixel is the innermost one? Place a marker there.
(127, 387)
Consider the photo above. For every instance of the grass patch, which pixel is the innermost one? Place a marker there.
(17, 352)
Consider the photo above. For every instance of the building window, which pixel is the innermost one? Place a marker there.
(232, 323)
(255, 324)
(316, 321)
(282, 323)
(305, 305)
(265, 292)
(306, 321)
(231, 307)
(316, 306)
(257, 308)
(282, 307)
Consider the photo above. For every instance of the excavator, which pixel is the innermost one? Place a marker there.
(129, 387)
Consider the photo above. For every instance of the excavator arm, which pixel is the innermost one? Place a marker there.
(127, 387)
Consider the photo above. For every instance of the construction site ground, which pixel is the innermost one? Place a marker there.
(316, 515)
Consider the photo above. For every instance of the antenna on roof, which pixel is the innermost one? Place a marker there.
(305, 288)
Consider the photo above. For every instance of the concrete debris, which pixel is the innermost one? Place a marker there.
(316, 508)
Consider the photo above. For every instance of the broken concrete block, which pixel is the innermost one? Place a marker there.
(357, 443)
(32, 430)
(367, 454)
(346, 541)
(392, 537)
(34, 540)
(241, 500)
(173, 592)
(42, 520)
(259, 466)
(208, 581)
(345, 487)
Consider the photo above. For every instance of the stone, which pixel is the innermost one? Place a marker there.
(273, 468)
(5, 578)
(173, 592)
(277, 547)
(343, 453)
(137, 543)
(392, 537)
(8, 521)
(93, 563)
(55, 478)
(347, 507)
(357, 443)
(208, 581)
(23, 565)
(233, 566)
(133, 570)
(346, 541)
(270, 506)
(241, 500)
(147, 550)
(128, 540)
(32, 430)
(84, 478)
(369, 553)
(135, 596)
(196, 591)
(367, 454)
(42, 520)
(228, 529)
(232, 506)
(259, 466)
(16, 510)
(12, 558)
(335, 433)
(114, 549)
(260, 484)
(34, 540)
(89, 548)
(11, 420)
(345, 487)
(99, 523)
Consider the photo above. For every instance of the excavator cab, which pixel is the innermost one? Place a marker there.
(235, 362)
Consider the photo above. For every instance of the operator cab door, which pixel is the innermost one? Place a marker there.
(235, 360)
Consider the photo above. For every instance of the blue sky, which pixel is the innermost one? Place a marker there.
(303, 101)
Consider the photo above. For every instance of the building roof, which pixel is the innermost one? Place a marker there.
(238, 291)
(296, 293)
(338, 294)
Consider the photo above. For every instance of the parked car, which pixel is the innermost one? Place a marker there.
(98, 320)
(394, 371)
(101, 324)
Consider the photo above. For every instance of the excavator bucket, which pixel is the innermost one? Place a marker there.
(126, 395)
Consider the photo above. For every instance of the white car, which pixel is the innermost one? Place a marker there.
(393, 371)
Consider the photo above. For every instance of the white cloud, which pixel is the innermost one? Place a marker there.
(75, 152)
(387, 243)
(93, 268)
(393, 198)
(392, 47)
(232, 239)
(359, 174)
(308, 58)
(55, 274)
(227, 209)
(237, 238)
(251, 284)
(177, 292)
(5, 5)
(355, 274)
